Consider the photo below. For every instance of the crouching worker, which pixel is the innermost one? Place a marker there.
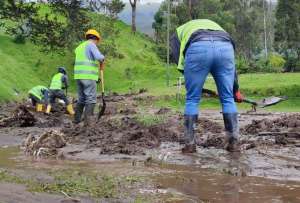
(58, 83)
(39, 97)
(86, 73)
(200, 47)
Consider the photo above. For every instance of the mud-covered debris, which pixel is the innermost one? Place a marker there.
(206, 125)
(21, 117)
(127, 136)
(211, 140)
(44, 145)
(284, 123)
(163, 110)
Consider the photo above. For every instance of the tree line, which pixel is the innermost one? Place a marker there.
(266, 32)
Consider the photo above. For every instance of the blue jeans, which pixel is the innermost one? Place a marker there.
(202, 58)
(87, 91)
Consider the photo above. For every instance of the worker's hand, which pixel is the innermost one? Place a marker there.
(98, 81)
(238, 97)
(102, 65)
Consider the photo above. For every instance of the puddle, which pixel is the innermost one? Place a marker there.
(8, 156)
(175, 183)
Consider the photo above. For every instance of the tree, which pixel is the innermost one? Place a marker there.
(287, 32)
(20, 16)
(133, 15)
(114, 7)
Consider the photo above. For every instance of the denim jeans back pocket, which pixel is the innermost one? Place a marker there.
(196, 59)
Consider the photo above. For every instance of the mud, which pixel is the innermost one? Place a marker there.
(126, 136)
(24, 115)
(44, 145)
(121, 134)
(290, 123)
(21, 117)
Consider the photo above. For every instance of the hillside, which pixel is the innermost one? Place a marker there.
(24, 66)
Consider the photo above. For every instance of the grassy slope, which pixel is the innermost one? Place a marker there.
(23, 66)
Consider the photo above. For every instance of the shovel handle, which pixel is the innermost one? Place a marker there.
(249, 101)
(102, 81)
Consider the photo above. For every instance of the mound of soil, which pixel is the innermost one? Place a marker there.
(285, 123)
(45, 144)
(126, 136)
(21, 117)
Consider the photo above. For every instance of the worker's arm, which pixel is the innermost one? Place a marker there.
(238, 97)
(65, 81)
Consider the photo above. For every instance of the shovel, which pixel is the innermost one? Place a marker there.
(261, 103)
(101, 108)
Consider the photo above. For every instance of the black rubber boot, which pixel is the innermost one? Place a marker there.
(78, 113)
(88, 113)
(232, 132)
(190, 122)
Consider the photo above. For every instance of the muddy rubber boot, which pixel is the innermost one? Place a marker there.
(190, 122)
(70, 109)
(48, 109)
(232, 132)
(88, 113)
(78, 113)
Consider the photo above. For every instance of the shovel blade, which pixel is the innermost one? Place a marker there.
(270, 101)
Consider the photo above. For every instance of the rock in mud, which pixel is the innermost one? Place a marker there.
(21, 117)
(44, 145)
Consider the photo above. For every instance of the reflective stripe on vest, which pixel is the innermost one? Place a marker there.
(83, 67)
(185, 31)
(37, 91)
(56, 83)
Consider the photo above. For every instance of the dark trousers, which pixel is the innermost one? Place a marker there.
(58, 94)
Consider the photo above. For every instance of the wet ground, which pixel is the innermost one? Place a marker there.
(143, 140)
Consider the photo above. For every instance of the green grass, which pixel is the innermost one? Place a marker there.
(75, 182)
(24, 66)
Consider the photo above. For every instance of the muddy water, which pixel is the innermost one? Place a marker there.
(177, 183)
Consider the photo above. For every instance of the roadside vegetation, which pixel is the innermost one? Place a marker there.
(134, 61)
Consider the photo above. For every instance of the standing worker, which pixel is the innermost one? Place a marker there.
(86, 73)
(58, 83)
(200, 47)
(39, 97)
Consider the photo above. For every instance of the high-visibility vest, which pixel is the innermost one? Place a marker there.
(185, 31)
(37, 91)
(85, 68)
(56, 82)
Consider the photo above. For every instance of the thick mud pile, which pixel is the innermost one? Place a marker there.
(24, 115)
(21, 117)
(289, 123)
(280, 131)
(125, 136)
(44, 145)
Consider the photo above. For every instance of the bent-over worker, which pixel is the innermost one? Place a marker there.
(200, 47)
(39, 97)
(58, 83)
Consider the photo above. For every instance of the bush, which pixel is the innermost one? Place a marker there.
(242, 65)
(276, 62)
(292, 65)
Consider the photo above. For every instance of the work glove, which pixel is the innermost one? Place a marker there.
(238, 97)
(98, 81)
